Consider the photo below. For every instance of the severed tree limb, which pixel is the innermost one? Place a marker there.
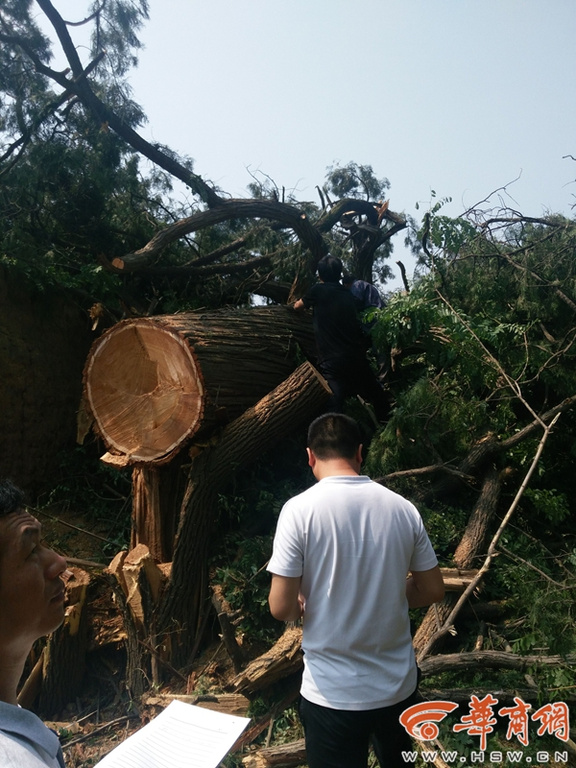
(434, 665)
(191, 270)
(284, 658)
(79, 86)
(428, 470)
(282, 756)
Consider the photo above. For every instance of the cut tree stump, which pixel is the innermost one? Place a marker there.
(152, 383)
(139, 585)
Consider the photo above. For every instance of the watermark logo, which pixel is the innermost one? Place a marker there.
(421, 722)
(510, 757)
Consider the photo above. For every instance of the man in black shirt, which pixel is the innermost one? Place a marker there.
(340, 341)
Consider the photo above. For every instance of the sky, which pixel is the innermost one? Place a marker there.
(444, 98)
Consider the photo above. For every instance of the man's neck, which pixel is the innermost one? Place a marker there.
(335, 468)
(11, 668)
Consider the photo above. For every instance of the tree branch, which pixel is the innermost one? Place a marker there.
(80, 87)
(286, 214)
(449, 622)
(489, 660)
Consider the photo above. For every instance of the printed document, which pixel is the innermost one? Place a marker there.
(182, 736)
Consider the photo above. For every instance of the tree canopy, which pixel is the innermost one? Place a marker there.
(77, 191)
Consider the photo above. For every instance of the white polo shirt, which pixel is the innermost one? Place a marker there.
(353, 542)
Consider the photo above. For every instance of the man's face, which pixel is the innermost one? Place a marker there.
(31, 590)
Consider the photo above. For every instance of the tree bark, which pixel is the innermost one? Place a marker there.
(157, 493)
(224, 210)
(291, 404)
(153, 383)
(434, 665)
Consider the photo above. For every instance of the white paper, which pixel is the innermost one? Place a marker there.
(182, 736)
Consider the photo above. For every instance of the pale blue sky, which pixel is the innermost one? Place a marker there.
(458, 96)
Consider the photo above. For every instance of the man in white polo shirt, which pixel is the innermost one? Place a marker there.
(350, 557)
(31, 605)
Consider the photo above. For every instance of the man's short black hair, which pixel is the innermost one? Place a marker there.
(330, 269)
(11, 498)
(334, 436)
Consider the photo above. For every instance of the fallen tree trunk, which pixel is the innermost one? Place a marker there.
(291, 404)
(152, 383)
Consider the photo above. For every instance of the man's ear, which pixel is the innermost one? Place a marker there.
(358, 456)
(311, 458)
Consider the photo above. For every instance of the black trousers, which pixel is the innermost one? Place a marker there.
(337, 738)
(354, 377)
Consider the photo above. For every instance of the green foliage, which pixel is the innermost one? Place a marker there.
(100, 496)
(115, 31)
(75, 197)
(548, 503)
(247, 516)
(354, 180)
(480, 345)
(540, 588)
(433, 422)
(444, 525)
(245, 584)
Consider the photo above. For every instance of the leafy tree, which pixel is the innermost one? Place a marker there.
(484, 359)
(124, 222)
